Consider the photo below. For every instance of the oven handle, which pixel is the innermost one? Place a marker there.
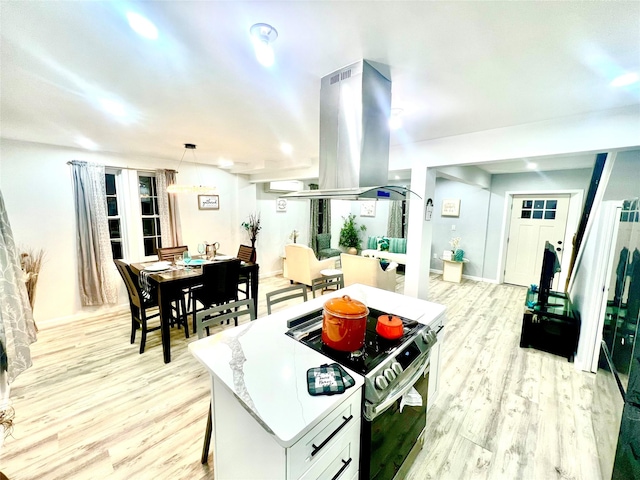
(373, 411)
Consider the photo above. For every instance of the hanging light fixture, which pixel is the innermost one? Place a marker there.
(262, 35)
(185, 188)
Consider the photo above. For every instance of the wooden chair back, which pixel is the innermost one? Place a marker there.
(219, 283)
(130, 281)
(246, 253)
(167, 253)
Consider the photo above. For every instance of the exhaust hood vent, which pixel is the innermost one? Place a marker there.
(355, 103)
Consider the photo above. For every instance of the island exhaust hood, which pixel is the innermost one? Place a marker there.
(355, 103)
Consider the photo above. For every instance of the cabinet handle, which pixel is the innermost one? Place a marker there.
(345, 465)
(328, 439)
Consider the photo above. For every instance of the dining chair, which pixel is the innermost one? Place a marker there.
(214, 316)
(284, 294)
(137, 303)
(327, 281)
(168, 253)
(245, 254)
(219, 285)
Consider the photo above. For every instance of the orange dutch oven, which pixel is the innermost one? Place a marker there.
(389, 327)
(344, 323)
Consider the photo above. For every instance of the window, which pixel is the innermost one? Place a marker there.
(113, 215)
(539, 209)
(150, 214)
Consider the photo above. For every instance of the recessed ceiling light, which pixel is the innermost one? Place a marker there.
(262, 36)
(397, 177)
(624, 80)
(532, 166)
(142, 26)
(286, 148)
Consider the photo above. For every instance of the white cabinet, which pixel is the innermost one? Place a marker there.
(243, 448)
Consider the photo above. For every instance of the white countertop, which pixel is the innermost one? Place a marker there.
(267, 370)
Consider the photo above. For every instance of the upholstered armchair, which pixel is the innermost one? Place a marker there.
(302, 266)
(367, 271)
(323, 246)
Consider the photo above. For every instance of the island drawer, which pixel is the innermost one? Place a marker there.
(341, 461)
(307, 451)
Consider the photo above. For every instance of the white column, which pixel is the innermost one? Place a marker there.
(416, 279)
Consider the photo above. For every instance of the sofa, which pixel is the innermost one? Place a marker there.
(397, 249)
(367, 271)
(302, 266)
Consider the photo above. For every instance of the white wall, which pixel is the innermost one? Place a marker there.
(36, 184)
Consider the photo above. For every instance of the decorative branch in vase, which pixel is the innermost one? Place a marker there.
(253, 227)
(31, 263)
(457, 253)
(294, 236)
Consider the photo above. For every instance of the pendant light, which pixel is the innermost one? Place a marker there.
(185, 188)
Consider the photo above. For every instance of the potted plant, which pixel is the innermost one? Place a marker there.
(350, 234)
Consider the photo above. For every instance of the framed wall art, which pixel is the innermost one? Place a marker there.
(281, 205)
(208, 202)
(451, 207)
(367, 209)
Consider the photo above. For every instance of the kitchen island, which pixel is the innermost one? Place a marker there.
(265, 423)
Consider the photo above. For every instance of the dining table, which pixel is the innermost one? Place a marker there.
(170, 285)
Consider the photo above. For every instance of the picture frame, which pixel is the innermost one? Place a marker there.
(367, 209)
(451, 207)
(208, 202)
(281, 205)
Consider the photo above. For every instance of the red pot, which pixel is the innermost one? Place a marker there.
(389, 327)
(344, 323)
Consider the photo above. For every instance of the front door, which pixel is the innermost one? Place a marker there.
(534, 220)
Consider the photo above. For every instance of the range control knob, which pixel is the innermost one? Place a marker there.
(389, 374)
(381, 382)
(397, 368)
(428, 336)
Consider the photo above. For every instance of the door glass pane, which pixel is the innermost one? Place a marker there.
(537, 214)
(116, 249)
(114, 228)
(148, 227)
(526, 213)
(112, 206)
(150, 246)
(110, 183)
(550, 215)
(538, 204)
(527, 204)
(146, 206)
(551, 204)
(145, 185)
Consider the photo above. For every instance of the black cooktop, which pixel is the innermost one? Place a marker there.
(308, 330)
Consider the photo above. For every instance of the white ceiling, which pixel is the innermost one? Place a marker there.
(456, 67)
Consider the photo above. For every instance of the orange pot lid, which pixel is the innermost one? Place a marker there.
(346, 307)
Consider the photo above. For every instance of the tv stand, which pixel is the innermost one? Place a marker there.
(553, 327)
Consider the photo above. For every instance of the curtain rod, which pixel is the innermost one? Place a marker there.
(126, 168)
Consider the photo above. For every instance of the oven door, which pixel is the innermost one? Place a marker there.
(388, 435)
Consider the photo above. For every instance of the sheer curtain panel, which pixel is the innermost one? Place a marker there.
(168, 209)
(17, 328)
(96, 272)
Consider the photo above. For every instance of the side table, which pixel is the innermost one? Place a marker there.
(452, 270)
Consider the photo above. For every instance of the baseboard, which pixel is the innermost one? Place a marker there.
(115, 310)
(468, 277)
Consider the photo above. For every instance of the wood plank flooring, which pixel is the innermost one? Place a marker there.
(92, 407)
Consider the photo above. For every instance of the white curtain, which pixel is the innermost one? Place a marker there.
(96, 272)
(17, 328)
(168, 209)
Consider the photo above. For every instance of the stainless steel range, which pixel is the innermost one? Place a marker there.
(396, 376)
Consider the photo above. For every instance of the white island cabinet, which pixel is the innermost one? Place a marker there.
(265, 423)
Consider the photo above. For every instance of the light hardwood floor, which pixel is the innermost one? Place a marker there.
(91, 407)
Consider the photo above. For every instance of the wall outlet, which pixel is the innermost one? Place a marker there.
(435, 255)
(453, 228)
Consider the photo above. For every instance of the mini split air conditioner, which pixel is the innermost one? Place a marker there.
(283, 186)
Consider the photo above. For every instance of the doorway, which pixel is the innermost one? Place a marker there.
(534, 219)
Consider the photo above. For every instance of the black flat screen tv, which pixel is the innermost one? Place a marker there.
(550, 266)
